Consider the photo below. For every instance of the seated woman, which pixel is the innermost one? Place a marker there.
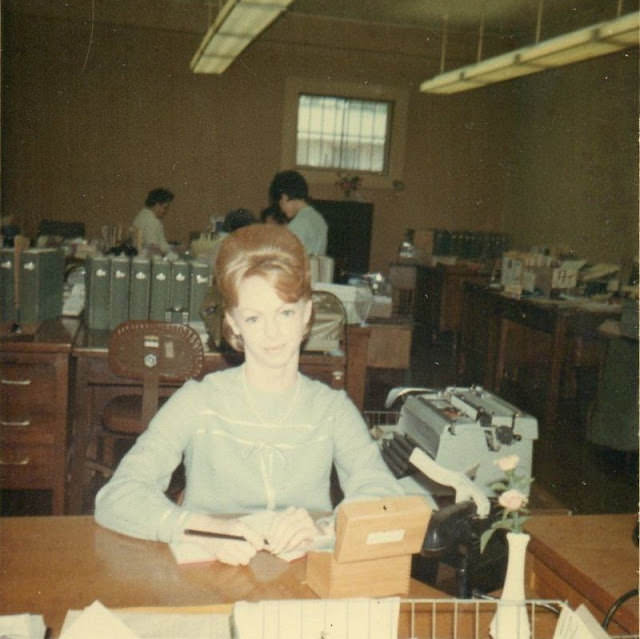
(257, 436)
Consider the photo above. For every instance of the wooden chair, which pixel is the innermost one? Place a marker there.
(151, 352)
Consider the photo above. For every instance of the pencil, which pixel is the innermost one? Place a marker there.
(216, 535)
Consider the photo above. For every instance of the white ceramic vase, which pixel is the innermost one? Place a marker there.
(511, 620)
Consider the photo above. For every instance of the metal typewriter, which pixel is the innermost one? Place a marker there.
(465, 429)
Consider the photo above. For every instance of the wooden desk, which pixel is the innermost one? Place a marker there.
(95, 385)
(440, 292)
(49, 565)
(545, 338)
(434, 294)
(381, 343)
(34, 371)
(587, 559)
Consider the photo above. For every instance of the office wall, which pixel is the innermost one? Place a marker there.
(96, 115)
(575, 174)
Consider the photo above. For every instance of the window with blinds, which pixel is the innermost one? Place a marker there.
(343, 133)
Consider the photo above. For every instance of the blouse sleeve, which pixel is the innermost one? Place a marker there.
(362, 472)
(133, 501)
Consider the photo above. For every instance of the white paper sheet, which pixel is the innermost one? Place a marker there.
(578, 624)
(143, 625)
(314, 618)
(24, 626)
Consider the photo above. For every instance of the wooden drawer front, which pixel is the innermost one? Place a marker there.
(18, 434)
(28, 391)
(25, 466)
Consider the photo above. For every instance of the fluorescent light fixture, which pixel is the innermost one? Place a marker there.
(596, 40)
(238, 23)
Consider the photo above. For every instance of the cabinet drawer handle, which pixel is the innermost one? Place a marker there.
(24, 422)
(16, 382)
(23, 462)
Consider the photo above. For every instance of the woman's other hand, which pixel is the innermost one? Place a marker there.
(291, 529)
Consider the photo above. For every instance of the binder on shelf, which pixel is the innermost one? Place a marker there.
(41, 284)
(97, 279)
(7, 299)
(160, 281)
(199, 275)
(179, 289)
(139, 288)
(118, 290)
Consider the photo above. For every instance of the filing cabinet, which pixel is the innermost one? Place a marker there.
(34, 382)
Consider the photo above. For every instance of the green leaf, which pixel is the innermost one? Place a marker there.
(484, 538)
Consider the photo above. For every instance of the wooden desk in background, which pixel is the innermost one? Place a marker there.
(433, 295)
(587, 559)
(381, 343)
(535, 343)
(49, 565)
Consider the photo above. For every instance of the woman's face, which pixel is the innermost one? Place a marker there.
(271, 329)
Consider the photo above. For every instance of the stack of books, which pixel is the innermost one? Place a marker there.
(121, 288)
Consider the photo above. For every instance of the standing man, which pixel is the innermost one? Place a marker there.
(149, 221)
(289, 191)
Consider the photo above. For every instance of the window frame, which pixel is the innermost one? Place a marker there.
(397, 134)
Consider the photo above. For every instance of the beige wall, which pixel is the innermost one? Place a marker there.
(86, 141)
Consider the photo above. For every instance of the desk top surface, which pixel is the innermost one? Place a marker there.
(49, 565)
(574, 305)
(595, 554)
(49, 336)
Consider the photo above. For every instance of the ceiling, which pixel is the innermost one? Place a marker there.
(515, 20)
(506, 17)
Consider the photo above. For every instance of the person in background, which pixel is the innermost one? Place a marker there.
(148, 222)
(233, 220)
(211, 307)
(273, 215)
(236, 219)
(290, 192)
(259, 436)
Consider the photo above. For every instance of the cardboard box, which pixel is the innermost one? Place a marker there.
(374, 543)
(383, 577)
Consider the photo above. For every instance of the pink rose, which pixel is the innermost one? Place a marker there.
(512, 499)
(507, 463)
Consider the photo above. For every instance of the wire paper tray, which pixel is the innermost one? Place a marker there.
(471, 618)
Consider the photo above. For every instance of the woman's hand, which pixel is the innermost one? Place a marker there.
(228, 551)
(290, 529)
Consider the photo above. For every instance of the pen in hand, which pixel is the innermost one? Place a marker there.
(216, 535)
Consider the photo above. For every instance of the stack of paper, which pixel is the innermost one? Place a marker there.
(25, 626)
(578, 624)
(314, 618)
(98, 622)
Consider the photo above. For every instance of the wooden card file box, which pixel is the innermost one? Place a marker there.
(374, 543)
